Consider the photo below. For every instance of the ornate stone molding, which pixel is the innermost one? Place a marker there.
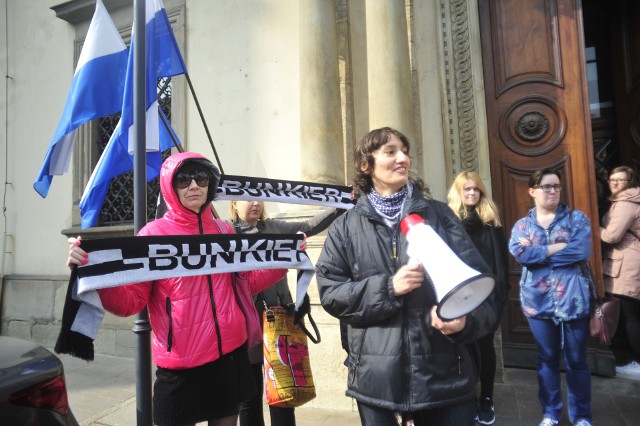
(458, 71)
(77, 11)
(464, 85)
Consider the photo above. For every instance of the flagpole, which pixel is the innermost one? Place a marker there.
(167, 126)
(162, 208)
(141, 325)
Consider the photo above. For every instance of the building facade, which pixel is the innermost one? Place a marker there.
(286, 88)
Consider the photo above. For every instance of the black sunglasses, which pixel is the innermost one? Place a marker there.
(183, 179)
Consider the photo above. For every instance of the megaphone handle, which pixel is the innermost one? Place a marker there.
(426, 274)
(447, 327)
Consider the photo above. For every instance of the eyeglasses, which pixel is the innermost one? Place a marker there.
(548, 188)
(618, 181)
(183, 180)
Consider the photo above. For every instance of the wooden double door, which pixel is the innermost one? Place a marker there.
(540, 115)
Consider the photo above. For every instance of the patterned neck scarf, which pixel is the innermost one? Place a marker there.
(388, 206)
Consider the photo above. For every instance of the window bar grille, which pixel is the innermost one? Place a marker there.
(117, 208)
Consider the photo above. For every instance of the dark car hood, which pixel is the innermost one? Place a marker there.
(20, 359)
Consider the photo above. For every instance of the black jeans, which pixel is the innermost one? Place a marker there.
(487, 365)
(251, 409)
(631, 310)
(459, 414)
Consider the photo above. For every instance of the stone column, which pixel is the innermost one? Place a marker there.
(320, 106)
(389, 67)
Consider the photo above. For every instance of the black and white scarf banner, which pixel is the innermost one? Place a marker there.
(284, 191)
(119, 261)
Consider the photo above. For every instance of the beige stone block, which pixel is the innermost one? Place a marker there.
(28, 299)
(118, 323)
(45, 334)
(17, 328)
(60, 295)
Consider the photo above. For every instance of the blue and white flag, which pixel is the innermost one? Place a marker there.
(96, 91)
(163, 59)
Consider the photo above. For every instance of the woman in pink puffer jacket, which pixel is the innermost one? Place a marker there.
(199, 332)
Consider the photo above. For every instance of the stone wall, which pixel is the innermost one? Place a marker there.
(32, 309)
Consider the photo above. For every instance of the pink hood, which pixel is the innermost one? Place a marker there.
(194, 320)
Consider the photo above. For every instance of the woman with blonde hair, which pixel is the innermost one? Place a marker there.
(484, 206)
(480, 216)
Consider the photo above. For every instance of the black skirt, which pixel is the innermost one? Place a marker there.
(203, 393)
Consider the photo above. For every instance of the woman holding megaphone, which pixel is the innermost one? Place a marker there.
(406, 364)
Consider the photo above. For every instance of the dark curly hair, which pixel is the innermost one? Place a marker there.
(363, 153)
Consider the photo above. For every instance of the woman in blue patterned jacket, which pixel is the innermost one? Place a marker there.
(550, 243)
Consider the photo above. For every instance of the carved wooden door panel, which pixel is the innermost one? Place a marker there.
(626, 66)
(538, 116)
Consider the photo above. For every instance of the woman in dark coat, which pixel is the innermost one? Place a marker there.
(249, 217)
(405, 363)
(469, 200)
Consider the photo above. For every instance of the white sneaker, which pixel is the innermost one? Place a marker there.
(548, 421)
(582, 422)
(629, 371)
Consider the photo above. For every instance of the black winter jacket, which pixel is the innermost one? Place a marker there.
(397, 361)
(492, 245)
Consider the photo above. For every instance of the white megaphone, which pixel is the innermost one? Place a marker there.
(459, 288)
